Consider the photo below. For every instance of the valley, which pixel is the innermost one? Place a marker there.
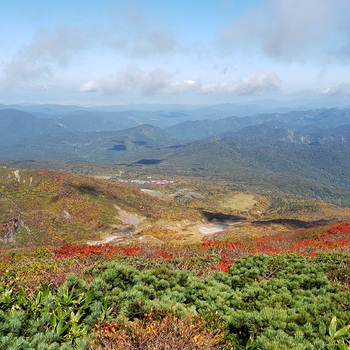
(240, 225)
(62, 207)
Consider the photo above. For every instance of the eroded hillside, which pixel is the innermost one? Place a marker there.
(46, 207)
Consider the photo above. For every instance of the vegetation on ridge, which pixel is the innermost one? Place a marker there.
(127, 295)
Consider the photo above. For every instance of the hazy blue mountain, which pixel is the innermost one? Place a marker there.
(16, 126)
(278, 132)
(44, 110)
(311, 120)
(200, 129)
(92, 121)
(101, 146)
(133, 115)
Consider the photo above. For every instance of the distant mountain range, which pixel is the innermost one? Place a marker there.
(310, 120)
(187, 125)
(111, 118)
(310, 147)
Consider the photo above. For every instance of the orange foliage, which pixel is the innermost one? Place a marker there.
(158, 332)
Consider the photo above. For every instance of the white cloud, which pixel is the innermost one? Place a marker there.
(299, 25)
(21, 69)
(48, 50)
(216, 87)
(89, 86)
(260, 81)
(56, 48)
(256, 82)
(130, 80)
(133, 35)
(183, 87)
(341, 89)
(134, 80)
(59, 44)
(290, 29)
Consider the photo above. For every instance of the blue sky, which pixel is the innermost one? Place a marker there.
(98, 52)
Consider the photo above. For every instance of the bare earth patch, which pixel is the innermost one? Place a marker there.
(124, 232)
(129, 218)
(154, 193)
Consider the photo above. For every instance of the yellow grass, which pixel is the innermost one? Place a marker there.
(239, 202)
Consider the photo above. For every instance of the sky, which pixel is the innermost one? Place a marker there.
(110, 52)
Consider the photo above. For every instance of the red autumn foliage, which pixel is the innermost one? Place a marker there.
(209, 243)
(343, 227)
(336, 238)
(224, 264)
(68, 250)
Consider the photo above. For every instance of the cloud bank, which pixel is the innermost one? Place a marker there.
(135, 80)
